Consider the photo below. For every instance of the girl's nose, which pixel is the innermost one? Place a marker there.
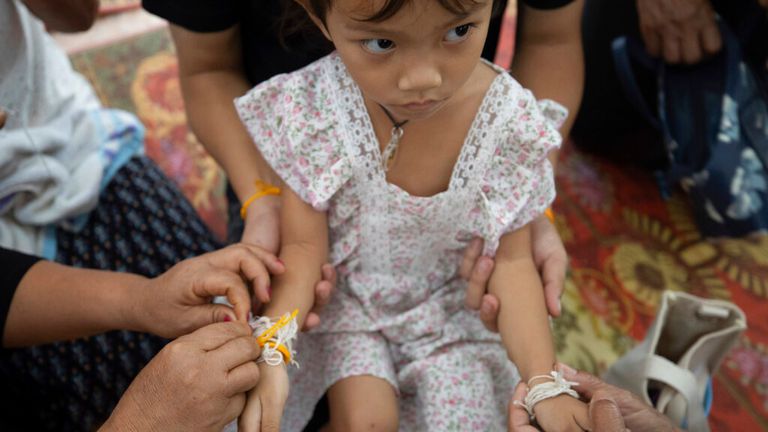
(419, 76)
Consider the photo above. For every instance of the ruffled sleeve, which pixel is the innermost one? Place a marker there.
(519, 183)
(290, 119)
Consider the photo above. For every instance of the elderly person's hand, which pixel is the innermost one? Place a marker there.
(197, 382)
(680, 31)
(610, 408)
(179, 300)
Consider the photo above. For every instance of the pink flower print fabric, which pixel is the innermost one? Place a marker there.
(398, 311)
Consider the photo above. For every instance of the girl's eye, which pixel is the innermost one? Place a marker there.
(459, 33)
(378, 46)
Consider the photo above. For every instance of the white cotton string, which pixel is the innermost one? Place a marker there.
(547, 390)
(284, 336)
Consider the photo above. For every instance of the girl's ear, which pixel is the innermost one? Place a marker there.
(315, 19)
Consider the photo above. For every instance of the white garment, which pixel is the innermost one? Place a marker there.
(52, 148)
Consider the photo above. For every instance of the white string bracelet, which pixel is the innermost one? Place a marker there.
(276, 337)
(547, 390)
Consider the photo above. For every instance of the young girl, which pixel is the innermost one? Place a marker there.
(397, 149)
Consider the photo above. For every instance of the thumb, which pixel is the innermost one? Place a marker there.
(606, 415)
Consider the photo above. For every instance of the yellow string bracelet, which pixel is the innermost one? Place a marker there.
(550, 214)
(268, 333)
(282, 349)
(262, 189)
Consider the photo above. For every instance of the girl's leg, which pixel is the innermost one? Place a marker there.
(143, 224)
(363, 403)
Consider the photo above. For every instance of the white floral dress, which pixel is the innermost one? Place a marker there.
(398, 312)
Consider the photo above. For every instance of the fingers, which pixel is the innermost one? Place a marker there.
(652, 41)
(329, 274)
(270, 413)
(229, 285)
(478, 282)
(690, 47)
(250, 419)
(471, 254)
(519, 421)
(243, 378)
(553, 278)
(234, 408)
(670, 48)
(606, 415)
(711, 40)
(215, 335)
(588, 383)
(323, 290)
(489, 312)
(236, 352)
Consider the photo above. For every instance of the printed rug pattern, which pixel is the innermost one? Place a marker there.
(626, 244)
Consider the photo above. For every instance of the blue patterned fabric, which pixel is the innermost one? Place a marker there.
(714, 121)
(143, 224)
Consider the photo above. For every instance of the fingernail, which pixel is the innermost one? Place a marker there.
(566, 370)
(227, 318)
(280, 261)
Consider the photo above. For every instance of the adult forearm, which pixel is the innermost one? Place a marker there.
(553, 71)
(209, 97)
(54, 302)
(550, 59)
(523, 322)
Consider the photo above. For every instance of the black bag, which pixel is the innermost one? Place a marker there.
(714, 122)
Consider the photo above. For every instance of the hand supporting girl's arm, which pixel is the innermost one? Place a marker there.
(524, 327)
(304, 233)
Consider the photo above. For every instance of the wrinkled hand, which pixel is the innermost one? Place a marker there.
(562, 413)
(606, 399)
(680, 31)
(264, 408)
(549, 256)
(179, 300)
(197, 382)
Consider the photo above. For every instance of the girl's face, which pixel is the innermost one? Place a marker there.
(414, 62)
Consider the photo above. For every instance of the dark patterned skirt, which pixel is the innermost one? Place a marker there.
(143, 224)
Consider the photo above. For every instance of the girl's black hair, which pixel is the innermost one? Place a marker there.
(391, 7)
(296, 20)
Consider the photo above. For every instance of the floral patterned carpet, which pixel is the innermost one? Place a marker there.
(626, 245)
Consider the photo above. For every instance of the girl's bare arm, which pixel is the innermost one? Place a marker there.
(304, 249)
(523, 322)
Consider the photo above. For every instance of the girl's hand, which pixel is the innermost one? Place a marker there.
(264, 407)
(179, 300)
(562, 413)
